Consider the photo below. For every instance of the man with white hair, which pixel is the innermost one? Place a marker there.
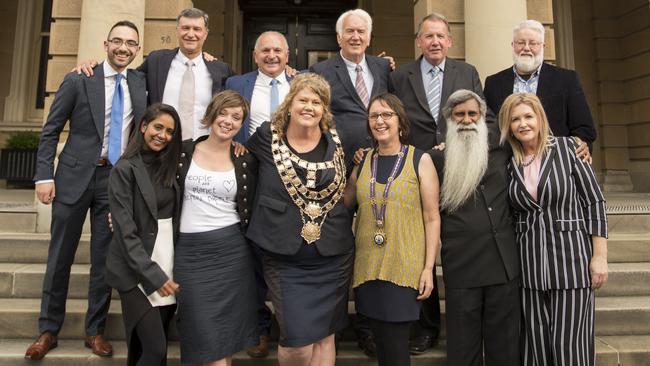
(559, 89)
(479, 254)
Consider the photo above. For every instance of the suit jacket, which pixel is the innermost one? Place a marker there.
(134, 211)
(244, 85)
(478, 240)
(245, 174)
(81, 100)
(276, 223)
(427, 130)
(554, 232)
(350, 114)
(156, 67)
(561, 95)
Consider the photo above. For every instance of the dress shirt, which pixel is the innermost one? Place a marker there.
(367, 75)
(425, 68)
(522, 85)
(261, 99)
(202, 88)
(127, 117)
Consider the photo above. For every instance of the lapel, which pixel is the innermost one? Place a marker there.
(373, 65)
(95, 91)
(344, 78)
(415, 78)
(249, 85)
(328, 174)
(145, 185)
(165, 64)
(545, 78)
(506, 85)
(448, 83)
(215, 75)
(547, 165)
(137, 90)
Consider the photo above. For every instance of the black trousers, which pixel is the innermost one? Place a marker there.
(264, 314)
(392, 340)
(429, 323)
(484, 321)
(65, 230)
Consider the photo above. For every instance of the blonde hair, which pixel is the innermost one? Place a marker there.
(315, 83)
(505, 115)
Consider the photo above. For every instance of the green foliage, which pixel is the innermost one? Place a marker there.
(23, 140)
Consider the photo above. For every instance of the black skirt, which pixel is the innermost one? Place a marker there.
(309, 293)
(217, 299)
(386, 301)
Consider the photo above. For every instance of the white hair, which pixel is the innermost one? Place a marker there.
(531, 24)
(284, 39)
(358, 12)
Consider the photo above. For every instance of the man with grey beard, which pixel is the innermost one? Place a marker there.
(559, 89)
(479, 254)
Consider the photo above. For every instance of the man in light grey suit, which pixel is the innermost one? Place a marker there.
(101, 110)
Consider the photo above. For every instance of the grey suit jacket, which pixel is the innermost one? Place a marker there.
(80, 100)
(427, 130)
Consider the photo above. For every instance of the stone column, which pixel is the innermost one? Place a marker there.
(488, 33)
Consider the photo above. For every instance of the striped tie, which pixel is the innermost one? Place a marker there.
(433, 95)
(360, 86)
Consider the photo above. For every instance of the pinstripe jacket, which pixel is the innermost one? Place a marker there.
(554, 233)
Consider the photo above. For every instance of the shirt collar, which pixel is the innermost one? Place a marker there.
(425, 66)
(198, 60)
(534, 75)
(266, 80)
(110, 72)
(352, 66)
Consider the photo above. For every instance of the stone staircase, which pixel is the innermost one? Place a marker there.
(622, 306)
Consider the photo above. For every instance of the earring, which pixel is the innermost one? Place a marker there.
(400, 133)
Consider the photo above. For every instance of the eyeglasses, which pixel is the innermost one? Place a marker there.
(118, 42)
(385, 116)
(531, 44)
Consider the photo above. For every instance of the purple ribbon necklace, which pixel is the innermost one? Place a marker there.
(380, 213)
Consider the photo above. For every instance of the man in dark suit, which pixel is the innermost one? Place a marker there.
(101, 110)
(559, 89)
(480, 260)
(265, 89)
(354, 77)
(424, 86)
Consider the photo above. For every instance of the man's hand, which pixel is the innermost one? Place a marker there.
(45, 192)
(389, 58)
(441, 146)
(169, 288)
(582, 151)
(358, 155)
(291, 72)
(85, 67)
(208, 57)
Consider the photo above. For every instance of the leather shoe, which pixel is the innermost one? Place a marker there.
(99, 345)
(37, 350)
(421, 344)
(367, 344)
(261, 350)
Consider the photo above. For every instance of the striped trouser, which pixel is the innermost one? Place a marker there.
(558, 327)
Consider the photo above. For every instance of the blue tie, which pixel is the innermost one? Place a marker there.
(115, 132)
(275, 96)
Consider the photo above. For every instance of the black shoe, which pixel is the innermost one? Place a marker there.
(421, 344)
(367, 344)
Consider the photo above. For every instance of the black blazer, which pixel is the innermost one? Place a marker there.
(350, 114)
(156, 66)
(276, 223)
(80, 99)
(427, 130)
(245, 174)
(134, 212)
(561, 95)
(478, 240)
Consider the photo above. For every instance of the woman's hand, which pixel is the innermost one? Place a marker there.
(239, 149)
(359, 154)
(599, 271)
(426, 284)
(169, 288)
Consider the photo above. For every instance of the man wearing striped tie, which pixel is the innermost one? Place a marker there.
(424, 86)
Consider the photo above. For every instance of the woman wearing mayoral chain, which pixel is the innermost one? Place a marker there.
(397, 230)
(300, 223)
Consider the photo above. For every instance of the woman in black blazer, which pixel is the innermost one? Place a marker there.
(561, 229)
(144, 200)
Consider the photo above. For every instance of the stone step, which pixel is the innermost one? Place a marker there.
(628, 247)
(627, 279)
(629, 223)
(18, 219)
(623, 315)
(632, 350)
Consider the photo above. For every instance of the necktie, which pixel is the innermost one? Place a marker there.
(115, 131)
(275, 96)
(433, 95)
(186, 102)
(360, 86)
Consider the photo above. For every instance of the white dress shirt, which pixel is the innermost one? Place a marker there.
(367, 75)
(261, 99)
(202, 88)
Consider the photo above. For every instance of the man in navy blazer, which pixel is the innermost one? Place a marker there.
(352, 89)
(559, 89)
(101, 114)
(264, 89)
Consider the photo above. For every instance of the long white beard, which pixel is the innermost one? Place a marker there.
(466, 160)
(526, 64)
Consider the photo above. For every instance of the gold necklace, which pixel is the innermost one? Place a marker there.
(312, 213)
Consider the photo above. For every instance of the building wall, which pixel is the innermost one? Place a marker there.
(7, 35)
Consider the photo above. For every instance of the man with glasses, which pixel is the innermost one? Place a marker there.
(101, 110)
(559, 89)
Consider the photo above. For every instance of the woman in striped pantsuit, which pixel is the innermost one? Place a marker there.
(561, 230)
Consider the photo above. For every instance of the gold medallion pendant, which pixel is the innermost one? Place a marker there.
(313, 210)
(379, 238)
(310, 232)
